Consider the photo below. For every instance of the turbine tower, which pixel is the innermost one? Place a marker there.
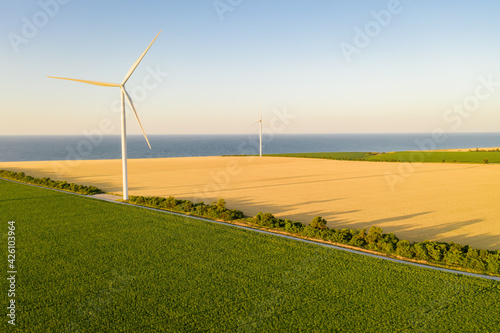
(260, 136)
(124, 94)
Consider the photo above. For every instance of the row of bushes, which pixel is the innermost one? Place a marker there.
(449, 254)
(477, 150)
(47, 182)
(216, 210)
(439, 253)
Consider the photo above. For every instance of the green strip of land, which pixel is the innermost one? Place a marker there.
(86, 265)
(408, 156)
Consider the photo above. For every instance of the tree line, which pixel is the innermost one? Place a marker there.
(216, 210)
(440, 253)
(47, 182)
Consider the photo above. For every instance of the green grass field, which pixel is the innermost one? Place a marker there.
(91, 266)
(407, 156)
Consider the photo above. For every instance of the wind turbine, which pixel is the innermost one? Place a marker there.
(124, 94)
(259, 121)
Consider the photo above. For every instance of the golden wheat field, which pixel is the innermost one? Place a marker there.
(446, 202)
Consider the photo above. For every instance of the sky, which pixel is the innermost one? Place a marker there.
(321, 66)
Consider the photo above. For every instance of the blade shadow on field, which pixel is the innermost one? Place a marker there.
(398, 218)
(442, 232)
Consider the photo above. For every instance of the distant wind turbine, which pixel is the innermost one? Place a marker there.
(260, 126)
(124, 94)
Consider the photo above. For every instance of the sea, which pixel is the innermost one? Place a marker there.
(98, 147)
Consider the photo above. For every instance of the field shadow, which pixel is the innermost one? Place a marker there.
(380, 222)
(404, 230)
(251, 206)
(437, 232)
(400, 225)
(245, 186)
(398, 218)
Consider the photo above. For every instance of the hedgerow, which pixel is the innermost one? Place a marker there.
(47, 182)
(438, 253)
(216, 210)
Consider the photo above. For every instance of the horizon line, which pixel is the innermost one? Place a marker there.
(249, 133)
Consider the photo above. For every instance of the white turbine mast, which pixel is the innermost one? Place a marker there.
(124, 94)
(260, 132)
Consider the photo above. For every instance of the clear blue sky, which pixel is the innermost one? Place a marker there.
(224, 68)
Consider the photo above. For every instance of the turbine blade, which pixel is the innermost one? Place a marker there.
(136, 115)
(96, 83)
(134, 66)
(253, 124)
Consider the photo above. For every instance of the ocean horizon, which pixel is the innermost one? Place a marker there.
(79, 147)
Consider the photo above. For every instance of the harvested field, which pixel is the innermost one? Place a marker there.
(446, 202)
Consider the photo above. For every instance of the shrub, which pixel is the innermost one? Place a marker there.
(405, 249)
(374, 237)
(421, 250)
(454, 255)
(309, 231)
(342, 236)
(318, 222)
(436, 251)
(265, 220)
(388, 243)
(221, 205)
(493, 263)
(359, 238)
(293, 227)
(474, 261)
